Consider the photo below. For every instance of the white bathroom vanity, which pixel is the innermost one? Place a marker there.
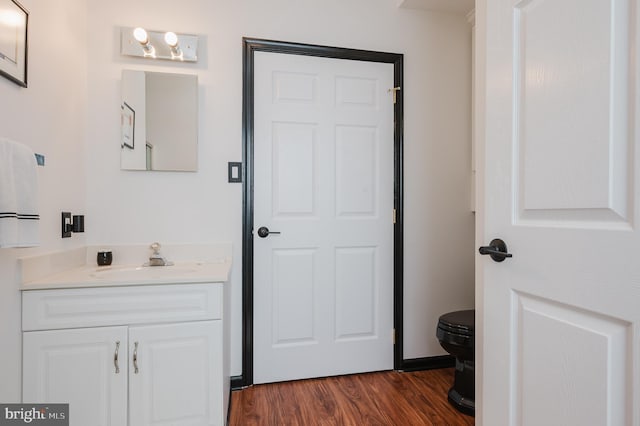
(129, 345)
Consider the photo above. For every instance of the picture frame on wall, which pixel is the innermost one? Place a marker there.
(14, 21)
(127, 125)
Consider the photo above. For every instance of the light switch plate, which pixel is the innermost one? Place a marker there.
(235, 172)
(66, 224)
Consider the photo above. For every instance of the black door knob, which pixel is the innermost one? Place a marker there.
(497, 249)
(264, 232)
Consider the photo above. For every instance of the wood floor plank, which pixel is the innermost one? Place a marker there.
(387, 398)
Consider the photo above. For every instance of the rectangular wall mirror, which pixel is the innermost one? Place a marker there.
(159, 121)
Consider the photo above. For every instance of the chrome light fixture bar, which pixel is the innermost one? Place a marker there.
(158, 44)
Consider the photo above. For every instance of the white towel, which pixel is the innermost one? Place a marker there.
(18, 196)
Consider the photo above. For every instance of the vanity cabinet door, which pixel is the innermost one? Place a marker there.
(84, 367)
(175, 374)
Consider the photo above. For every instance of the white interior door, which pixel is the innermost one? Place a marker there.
(561, 319)
(323, 179)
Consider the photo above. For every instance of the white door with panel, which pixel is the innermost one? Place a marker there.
(58, 365)
(560, 321)
(174, 377)
(324, 180)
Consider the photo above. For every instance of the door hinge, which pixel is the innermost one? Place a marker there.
(393, 336)
(394, 216)
(394, 90)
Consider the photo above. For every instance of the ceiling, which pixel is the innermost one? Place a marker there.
(452, 6)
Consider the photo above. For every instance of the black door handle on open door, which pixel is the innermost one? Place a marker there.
(497, 249)
(264, 232)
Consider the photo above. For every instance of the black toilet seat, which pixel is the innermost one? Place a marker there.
(458, 322)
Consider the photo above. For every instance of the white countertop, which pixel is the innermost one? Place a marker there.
(125, 275)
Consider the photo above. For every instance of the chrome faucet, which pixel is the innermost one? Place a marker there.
(156, 259)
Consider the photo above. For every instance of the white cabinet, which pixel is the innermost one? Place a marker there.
(173, 377)
(77, 367)
(140, 356)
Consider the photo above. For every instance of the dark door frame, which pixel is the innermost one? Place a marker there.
(250, 46)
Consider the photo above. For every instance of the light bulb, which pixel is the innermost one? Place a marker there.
(171, 39)
(141, 35)
(11, 19)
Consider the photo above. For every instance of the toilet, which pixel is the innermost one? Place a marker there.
(456, 334)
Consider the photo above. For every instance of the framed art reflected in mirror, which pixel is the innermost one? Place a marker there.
(13, 41)
(127, 126)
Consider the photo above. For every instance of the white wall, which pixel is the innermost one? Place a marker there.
(141, 207)
(50, 117)
(439, 226)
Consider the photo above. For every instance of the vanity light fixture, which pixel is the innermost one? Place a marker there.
(158, 44)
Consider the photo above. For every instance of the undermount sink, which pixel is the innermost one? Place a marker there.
(145, 272)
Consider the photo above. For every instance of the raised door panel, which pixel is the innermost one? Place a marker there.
(356, 171)
(582, 356)
(294, 170)
(79, 367)
(356, 295)
(573, 99)
(293, 293)
(178, 379)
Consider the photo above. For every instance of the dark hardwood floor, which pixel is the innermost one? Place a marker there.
(384, 398)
